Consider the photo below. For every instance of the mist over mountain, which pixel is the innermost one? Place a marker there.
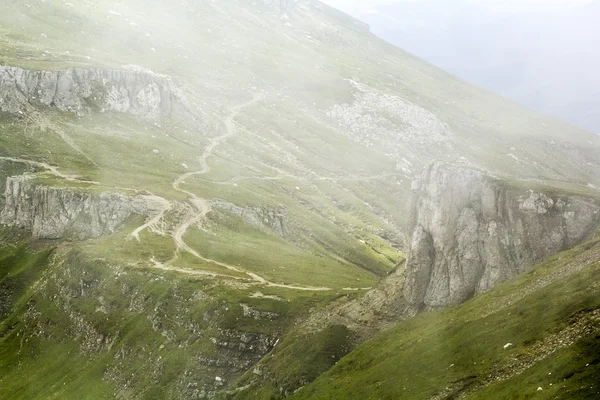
(543, 56)
(261, 200)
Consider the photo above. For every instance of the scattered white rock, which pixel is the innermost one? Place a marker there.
(297, 188)
(539, 389)
(507, 345)
(155, 151)
(44, 36)
(218, 379)
(511, 155)
(184, 165)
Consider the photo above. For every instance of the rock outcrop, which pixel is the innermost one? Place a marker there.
(55, 213)
(471, 232)
(272, 219)
(134, 91)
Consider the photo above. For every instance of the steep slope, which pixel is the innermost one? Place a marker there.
(539, 330)
(540, 56)
(471, 232)
(76, 326)
(257, 157)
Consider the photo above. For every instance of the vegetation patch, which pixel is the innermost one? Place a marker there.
(507, 335)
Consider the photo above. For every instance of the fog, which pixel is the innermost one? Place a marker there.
(352, 6)
(539, 53)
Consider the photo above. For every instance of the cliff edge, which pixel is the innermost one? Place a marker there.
(471, 232)
(57, 213)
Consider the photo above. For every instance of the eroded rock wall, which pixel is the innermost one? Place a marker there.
(471, 232)
(55, 213)
(133, 91)
(273, 219)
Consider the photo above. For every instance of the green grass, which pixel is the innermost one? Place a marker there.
(344, 233)
(571, 373)
(117, 150)
(236, 243)
(296, 362)
(20, 266)
(93, 326)
(464, 345)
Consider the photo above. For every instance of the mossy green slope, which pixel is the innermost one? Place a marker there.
(95, 320)
(539, 330)
(74, 326)
(344, 191)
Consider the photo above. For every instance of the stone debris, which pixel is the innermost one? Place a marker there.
(55, 213)
(73, 90)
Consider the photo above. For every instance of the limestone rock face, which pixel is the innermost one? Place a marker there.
(272, 219)
(471, 232)
(137, 92)
(54, 213)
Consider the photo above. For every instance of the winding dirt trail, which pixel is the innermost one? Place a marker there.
(154, 223)
(201, 207)
(52, 169)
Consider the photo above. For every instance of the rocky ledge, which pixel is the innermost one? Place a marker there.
(133, 90)
(272, 219)
(55, 213)
(471, 232)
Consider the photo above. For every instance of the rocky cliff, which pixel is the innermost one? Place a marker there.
(54, 213)
(267, 218)
(471, 232)
(132, 90)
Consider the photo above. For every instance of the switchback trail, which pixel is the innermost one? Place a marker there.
(201, 207)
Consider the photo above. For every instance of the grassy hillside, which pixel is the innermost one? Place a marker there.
(540, 329)
(304, 115)
(343, 124)
(74, 326)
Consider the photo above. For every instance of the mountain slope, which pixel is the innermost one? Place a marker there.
(538, 330)
(186, 182)
(543, 57)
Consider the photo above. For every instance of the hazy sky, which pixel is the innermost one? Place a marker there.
(505, 5)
